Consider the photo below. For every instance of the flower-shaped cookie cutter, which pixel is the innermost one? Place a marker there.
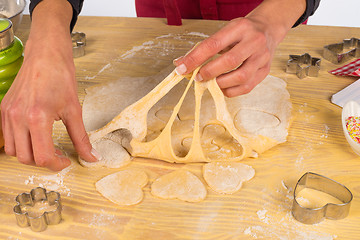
(335, 52)
(79, 43)
(38, 209)
(330, 210)
(303, 65)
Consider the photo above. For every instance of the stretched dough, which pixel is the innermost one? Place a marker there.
(179, 184)
(187, 121)
(227, 177)
(123, 187)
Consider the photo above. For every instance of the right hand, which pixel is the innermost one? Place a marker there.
(44, 91)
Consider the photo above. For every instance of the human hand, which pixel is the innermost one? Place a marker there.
(44, 91)
(246, 53)
(246, 45)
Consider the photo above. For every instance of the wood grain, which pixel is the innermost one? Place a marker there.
(261, 210)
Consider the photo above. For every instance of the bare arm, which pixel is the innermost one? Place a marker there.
(44, 91)
(249, 44)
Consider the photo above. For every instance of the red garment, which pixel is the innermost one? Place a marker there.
(174, 10)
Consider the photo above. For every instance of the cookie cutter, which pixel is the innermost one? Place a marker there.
(79, 43)
(29, 210)
(303, 65)
(330, 210)
(335, 52)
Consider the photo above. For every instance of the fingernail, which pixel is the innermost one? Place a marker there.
(198, 77)
(181, 69)
(96, 154)
(177, 59)
(60, 154)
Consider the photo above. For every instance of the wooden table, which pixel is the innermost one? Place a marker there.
(125, 47)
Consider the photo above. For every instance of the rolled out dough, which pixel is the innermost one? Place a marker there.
(184, 121)
(124, 187)
(179, 184)
(227, 177)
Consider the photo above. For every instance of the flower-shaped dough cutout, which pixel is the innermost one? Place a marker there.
(179, 184)
(124, 187)
(227, 177)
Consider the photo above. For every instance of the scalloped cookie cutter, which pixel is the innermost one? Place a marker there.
(329, 210)
(79, 42)
(303, 65)
(32, 209)
(335, 52)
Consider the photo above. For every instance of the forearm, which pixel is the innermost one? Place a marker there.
(50, 27)
(278, 16)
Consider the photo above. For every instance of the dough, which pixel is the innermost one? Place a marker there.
(112, 156)
(180, 184)
(124, 187)
(187, 121)
(228, 177)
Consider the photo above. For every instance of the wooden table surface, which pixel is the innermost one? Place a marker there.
(118, 47)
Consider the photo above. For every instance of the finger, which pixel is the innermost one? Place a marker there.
(23, 145)
(9, 145)
(43, 147)
(76, 129)
(208, 48)
(246, 88)
(226, 62)
(245, 72)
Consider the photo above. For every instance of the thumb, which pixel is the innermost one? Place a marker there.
(76, 129)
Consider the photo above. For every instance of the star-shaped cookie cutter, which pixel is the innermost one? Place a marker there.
(31, 209)
(335, 52)
(303, 65)
(330, 210)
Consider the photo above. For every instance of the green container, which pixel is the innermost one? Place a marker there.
(11, 56)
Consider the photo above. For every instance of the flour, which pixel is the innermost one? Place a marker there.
(280, 224)
(198, 34)
(101, 70)
(53, 182)
(181, 36)
(262, 216)
(325, 135)
(287, 224)
(131, 53)
(162, 45)
(102, 219)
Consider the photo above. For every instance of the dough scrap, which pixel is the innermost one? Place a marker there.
(179, 184)
(113, 155)
(187, 121)
(227, 177)
(123, 187)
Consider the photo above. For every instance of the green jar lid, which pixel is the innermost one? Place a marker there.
(6, 33)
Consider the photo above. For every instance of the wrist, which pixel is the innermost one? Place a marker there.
(50, 29)
(278, 16)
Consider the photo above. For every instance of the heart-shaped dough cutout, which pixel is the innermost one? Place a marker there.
(124, 187)
(227, 177)
(180, 184)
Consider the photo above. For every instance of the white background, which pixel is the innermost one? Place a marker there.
(330, 12)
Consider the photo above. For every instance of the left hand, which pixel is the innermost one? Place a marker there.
(247, 50)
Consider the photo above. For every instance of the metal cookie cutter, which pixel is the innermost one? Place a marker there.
(303, 65)
(79, 43)
(38, 209)
(335, 52)
(330, 210)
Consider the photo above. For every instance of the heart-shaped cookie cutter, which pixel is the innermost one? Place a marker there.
(330, 210)
(335, 52)
(38, 222)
